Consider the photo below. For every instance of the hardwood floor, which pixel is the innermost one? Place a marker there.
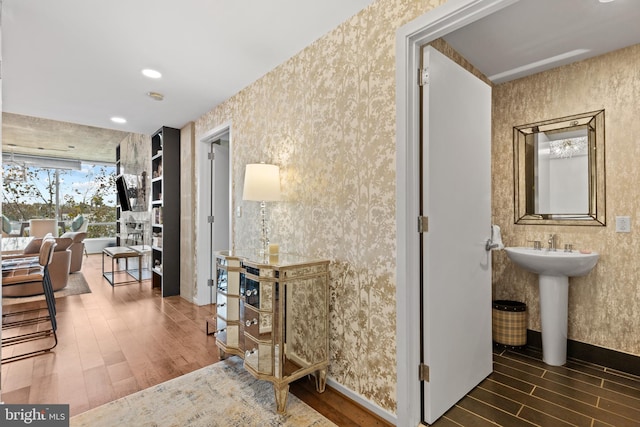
(118, 340)
(112, 342)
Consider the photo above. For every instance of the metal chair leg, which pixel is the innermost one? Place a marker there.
(32, 336)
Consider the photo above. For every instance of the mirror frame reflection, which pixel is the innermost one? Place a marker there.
(525, 173)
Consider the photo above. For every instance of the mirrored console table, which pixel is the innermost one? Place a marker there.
(272, 311)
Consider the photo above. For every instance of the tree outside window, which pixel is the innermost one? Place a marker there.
(39, 192)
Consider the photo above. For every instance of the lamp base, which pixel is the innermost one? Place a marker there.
(264, 235)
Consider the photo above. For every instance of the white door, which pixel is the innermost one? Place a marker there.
(456, 198)
(220, 197)
(219, 208)
(214, 214)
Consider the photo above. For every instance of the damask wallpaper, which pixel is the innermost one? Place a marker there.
(327, 118)
(187, 215)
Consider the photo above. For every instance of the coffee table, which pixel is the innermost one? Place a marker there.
(117, 253)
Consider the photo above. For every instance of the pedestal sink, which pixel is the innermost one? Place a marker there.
(554, 269)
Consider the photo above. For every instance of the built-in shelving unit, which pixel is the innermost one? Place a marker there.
(165, 210)
(118, 207)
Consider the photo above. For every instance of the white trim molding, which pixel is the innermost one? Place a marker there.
(409, 40)
(202, 295)
(369, 405)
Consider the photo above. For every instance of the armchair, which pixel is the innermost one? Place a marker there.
(6, 227)
(30, 271)
(41, 227)
(79, 223)
(58, 268)
(76, 248)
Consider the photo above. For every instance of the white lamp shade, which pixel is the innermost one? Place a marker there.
(261, 182)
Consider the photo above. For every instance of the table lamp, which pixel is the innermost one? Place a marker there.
(262, 184)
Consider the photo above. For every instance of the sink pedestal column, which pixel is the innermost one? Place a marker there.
(554, 312)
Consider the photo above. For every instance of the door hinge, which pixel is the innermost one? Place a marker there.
(210, 219)
(423, 372)
(423, 76)
(211, 156)
(210, 282)
(423, 224)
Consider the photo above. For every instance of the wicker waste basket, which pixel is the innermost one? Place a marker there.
(509, 320)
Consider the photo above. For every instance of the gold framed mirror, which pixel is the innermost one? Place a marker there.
(559, 172)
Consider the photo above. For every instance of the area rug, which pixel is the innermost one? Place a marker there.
(76, 285)
(223, 394)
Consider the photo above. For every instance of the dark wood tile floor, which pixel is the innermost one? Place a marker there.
(523, 391)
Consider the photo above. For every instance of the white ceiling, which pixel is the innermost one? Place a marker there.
(531, 36)
(79, 61)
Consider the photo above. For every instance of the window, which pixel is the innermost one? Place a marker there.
(36, 187)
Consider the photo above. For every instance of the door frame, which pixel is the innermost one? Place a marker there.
(409, 40)
(204, 190)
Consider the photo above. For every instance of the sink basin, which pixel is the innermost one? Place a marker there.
(553, 263)
(554, 269)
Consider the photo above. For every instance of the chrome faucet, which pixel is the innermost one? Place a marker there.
(552, 242)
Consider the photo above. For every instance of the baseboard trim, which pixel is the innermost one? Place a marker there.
(367, 404)
(613, 359)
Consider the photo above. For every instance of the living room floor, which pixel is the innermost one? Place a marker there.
(118, 340)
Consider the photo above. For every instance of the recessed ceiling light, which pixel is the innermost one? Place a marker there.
(152, 74)
(119, 120)
(605, 1)
(155, 96)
